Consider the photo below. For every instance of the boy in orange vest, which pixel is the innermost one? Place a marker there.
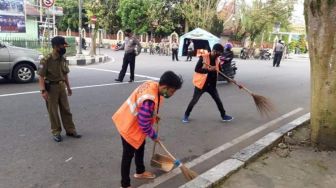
(205, 80)
(135, 119)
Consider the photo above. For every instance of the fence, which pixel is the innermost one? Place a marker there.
(43, 47)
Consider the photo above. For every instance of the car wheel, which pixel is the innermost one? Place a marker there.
(23, 73)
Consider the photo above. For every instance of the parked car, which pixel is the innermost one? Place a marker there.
(18, 64)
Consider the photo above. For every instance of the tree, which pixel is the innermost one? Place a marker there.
(133, 14)
(261, 16)
(320, 18)
(199, 13)
(70, 18)
(104, 11)
(164, 16)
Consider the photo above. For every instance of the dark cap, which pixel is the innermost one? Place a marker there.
(58, 40)
(218, 47)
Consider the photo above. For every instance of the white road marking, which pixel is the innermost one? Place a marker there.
(73, 88)
(68, 159)
(107, 70)
(218, 150)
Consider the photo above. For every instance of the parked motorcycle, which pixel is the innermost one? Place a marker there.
(243, 53)
(265, 54)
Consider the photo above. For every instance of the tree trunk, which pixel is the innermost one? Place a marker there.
(321, 29)
(93, 43)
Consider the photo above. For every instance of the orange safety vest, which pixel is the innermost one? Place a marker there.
(199, 79)
(125, 119)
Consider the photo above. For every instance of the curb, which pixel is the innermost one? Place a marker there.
(222, 171)
(86, 60)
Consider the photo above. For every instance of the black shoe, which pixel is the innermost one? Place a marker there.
(130, 81)
(117, 80)
(57, 138)
(74, 135)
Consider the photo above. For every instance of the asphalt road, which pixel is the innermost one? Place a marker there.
(30, 158)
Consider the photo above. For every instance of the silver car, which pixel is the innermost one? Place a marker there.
(18, 64)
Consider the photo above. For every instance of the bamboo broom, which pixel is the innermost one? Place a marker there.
(263, 104)
(188, 174)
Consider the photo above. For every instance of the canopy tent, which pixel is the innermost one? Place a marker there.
(201, 38)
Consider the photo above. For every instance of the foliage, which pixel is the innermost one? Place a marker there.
(133, 14)
(164, 16)
(216, 26)
(199, 13)
(261, 16)
(70, 19)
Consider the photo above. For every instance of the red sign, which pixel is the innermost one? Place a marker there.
(48, 3)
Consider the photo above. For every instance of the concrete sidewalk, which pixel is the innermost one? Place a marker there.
(222, 171)
(86, 59)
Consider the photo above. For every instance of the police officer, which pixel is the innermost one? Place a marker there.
(54, 82)
(132, 48)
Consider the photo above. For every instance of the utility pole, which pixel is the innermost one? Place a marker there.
(80, 27)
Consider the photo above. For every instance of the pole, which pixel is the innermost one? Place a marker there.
(80, 27)
(41, 11)
(54, 20)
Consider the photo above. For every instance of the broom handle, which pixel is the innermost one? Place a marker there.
(166, 150)
(232, 80)
(157, 132)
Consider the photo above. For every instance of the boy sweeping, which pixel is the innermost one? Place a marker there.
(134, 121)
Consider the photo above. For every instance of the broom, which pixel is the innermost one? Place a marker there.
(188, 174)
(263, 104)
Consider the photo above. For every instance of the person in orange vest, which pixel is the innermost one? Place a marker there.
(205, 80)
(134, 121)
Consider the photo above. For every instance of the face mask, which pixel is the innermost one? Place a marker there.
(165, 94)
(62, 51)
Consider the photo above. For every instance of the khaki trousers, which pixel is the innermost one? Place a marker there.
(58, 104)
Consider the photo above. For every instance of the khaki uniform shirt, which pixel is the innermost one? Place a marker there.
(53, 67)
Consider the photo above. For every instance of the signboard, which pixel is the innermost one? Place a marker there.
(48, 3)
(12, 16)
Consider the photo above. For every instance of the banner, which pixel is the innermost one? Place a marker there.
(12, 16)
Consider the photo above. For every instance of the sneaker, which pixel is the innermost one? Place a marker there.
(57, 138)
(117, 80)
(130, 81)
(227, 118)
(185, 119)
(74, 135)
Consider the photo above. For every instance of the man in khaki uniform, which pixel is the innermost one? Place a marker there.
(53, 82)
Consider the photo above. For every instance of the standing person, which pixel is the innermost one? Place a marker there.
(129, 58)
(190, 50)
(205, 80)
(134, 121)
(53, 81)
(151, 47)
(174, 49)
(278, 51)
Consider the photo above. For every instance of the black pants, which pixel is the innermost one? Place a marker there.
(128, 152)
(129, 58)
(174, 54)
(212, 90)
(277, 59)
(189, 55)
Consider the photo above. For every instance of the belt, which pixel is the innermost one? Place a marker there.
(56, 82)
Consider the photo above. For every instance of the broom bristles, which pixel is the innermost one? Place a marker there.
(263, 104)
(188, 174)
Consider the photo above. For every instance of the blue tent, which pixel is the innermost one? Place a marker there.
(201, 38)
